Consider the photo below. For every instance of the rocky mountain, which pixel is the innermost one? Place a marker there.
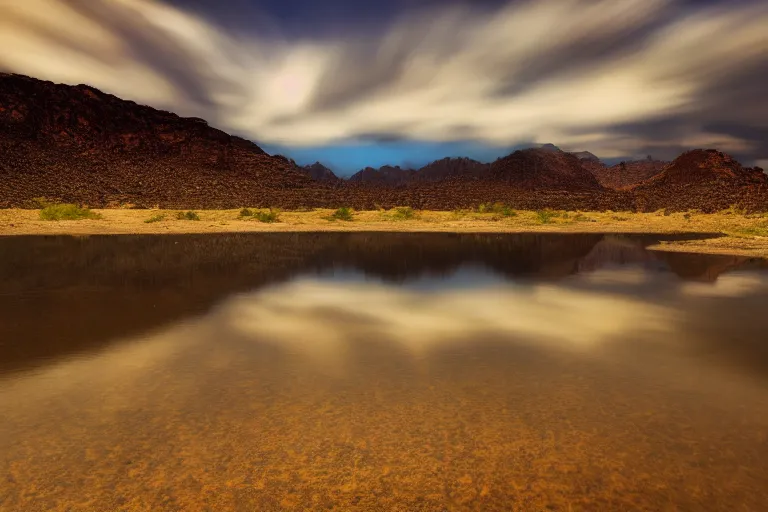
(465, 168)
(708, 180)
(708, 166)
(543, 168)
(585, 156)
(459, 168)
(627, 174)
(386, 175)
(319, 172)
(78, 144)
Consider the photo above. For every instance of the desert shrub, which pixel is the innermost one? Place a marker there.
(245, 212)
(403, 213)
(155, 218)
(504, 210)
(619, 218)
(497, 208)
(190, 215)
(754, 231)
(579, 217)
(545, 216)
(344, 213)
(66, 211)
(273, 215)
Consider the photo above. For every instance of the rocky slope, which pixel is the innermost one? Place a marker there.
(706, 180)
(453, 168)
(386, 175)
(538, 169)
(627, 174)
(442, 169)
(77, 144)
(319, 172)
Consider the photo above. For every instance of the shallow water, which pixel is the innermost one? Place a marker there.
(380, 372)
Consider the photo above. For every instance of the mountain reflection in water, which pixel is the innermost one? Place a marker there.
(375, 371)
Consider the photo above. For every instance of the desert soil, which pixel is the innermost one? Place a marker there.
(746, 234)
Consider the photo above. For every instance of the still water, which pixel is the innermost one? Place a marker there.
(380, 372)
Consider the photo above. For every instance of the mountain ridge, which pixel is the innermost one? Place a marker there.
(78, 144)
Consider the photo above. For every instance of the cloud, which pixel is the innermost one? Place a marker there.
(320, 318)
(593, 74)
(731, 285)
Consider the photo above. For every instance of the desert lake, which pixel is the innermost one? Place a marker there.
(380, 371)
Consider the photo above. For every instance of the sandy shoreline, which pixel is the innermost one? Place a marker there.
(746, 235)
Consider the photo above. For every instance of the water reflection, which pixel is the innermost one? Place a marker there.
(380, 372)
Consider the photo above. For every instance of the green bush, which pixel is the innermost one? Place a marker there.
(545, 216)
(190, 215)
(155, 218)
(497, 208)
(245, 212)
(65, 211)
(272, 215)
(754, 231)
(579, 217)
(343, 213)
(403, 213)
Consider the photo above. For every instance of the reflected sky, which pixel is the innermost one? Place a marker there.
(595, 375)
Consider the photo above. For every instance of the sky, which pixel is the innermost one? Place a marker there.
(403, 82)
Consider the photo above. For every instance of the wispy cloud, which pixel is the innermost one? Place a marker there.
(596, 74)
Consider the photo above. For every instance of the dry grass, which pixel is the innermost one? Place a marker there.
(748, 234)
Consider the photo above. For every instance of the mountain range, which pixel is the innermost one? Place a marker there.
(78, 144)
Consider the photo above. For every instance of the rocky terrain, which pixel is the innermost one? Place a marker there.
(319, 172)
(705, 180)
(453, 168)
(385, 175)
(78, 144)
(625, 175)
(540, 168)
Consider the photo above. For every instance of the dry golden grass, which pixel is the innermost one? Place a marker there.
(747, 234)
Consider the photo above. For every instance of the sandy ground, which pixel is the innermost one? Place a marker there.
(747, 234)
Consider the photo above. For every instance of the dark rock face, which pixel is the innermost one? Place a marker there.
(77, 144)
(386, 175)
(707, 180)
(463, 168)
(585, 156)
(319, 172)
(537, 169)
(627, 174)
(460, 168)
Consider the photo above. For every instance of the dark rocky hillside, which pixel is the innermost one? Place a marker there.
(625, 175)
(319, 172)
(77, 144)
(538, 169)
(386, 175)
(707, 180)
